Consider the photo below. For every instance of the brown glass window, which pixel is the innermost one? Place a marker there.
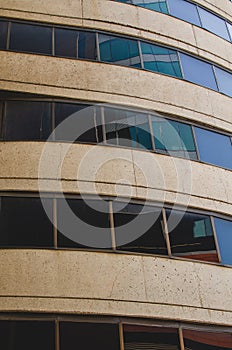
(198, 340)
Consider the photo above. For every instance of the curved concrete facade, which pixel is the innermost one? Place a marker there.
(106, 283)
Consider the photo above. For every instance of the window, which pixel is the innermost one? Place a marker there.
(173, 138)
(155, 5)
(145, 337)
(24, 223)
(124, 52)
(3, 34)
(83, 223)
(224, 80)
(31, 38)
(198, 72)
(224, 237)
(126, 128)
(213, 23)
(88, 336)
(184, 10)
(214, 148)
(87, 118)
(27, 120)
(27, 335)
(200, 340)
(192, 236)
(160, 59)
(144, 234)
(229, 26)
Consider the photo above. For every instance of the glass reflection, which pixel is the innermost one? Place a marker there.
(224, 237)
(160, 59)
(199, 340)
(184, 10)
(213, 23)
(224, 80)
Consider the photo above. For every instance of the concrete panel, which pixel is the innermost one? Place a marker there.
(99, 81)
(114, 171)
(116, 284)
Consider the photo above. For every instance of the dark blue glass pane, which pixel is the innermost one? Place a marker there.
(160, 59)
(124, 52)
(198, 72)
(214, 148)
(213, 23)
(173, 137)
(3, 34)
(224, 80)
(66, 42)
(31, 38)
(184, 10)
(87, 48)
(224, 237)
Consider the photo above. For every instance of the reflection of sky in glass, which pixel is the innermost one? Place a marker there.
(184, 10)
(224, 237)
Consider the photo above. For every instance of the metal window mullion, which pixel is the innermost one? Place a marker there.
(121, 336)
(53, 121)
(140, 54)
(195, 141)
(102, 109)
(8, 36)
(180, 63)
(55, 238)
(151, 132)
(57, 335)
(215, 239)
(97, 46)
(181, 338)
(197, 7)
(112, 230)
(227, 26)
(215, 77)
(77, 44)
(95, 123)
(165, 231)
(167, 4)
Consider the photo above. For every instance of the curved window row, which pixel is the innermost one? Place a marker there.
(29, 118)
(113, 224)
(104, 47)
(63, 332)
(189, 12)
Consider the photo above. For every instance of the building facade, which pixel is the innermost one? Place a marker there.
(120, 111)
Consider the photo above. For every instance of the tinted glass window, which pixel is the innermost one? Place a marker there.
(224, 80)
(86, 127)
(214, 148)
(173, 138)
(124, 128)
(24, 223)
(213, 23)
(184, 10)
(229, 26)
(155, 5)
(124, 52)
(3, 34)
(141, 337)
(31, 38)
(88, 336)
(160, 59)
(87, 46)
(144, 235)
(66, 42)
(89, 226)
(198, 72)
(191, 236)
(27, 120)
(197, 340)
(224, 237)
(27, 335)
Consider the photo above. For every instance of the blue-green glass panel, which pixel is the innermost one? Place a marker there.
(155, 5)
(173, 137)
(124, 52)
(160, 59)
(224, 238)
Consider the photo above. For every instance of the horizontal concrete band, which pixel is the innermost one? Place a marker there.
(103, 82)
(114, 171)
(128, 20)
(114, 284)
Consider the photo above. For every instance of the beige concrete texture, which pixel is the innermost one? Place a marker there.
(102, 82)
(126, 19)
(106, 170)
(114, 284)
